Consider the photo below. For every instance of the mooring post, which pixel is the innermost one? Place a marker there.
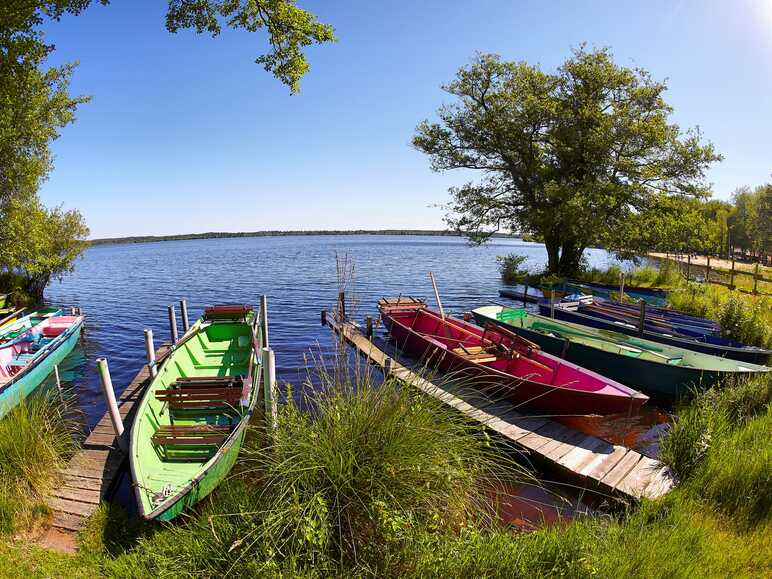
(150, 353)
(173, 324)
(264, 319)
(369, 327)
(323, 317)
(112, 405)
(342, 306)
(269, 388)
(552, 303)
(642, 318)
(184, 316)
(57, 378)
(525, 295)
(387, 367)
(621, 287)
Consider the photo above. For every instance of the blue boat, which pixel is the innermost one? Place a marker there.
(30, 348)
(707, 343)
(653, 296)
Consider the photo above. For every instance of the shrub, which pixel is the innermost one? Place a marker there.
(743, 321)
(509, 267)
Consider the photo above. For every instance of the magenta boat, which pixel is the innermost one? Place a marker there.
(504, 361)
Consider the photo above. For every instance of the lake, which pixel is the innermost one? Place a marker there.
(123, 289)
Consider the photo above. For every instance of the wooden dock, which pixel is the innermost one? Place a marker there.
(93, 473)
(595, 463)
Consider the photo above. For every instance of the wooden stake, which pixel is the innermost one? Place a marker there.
(323, 317)
(707, 271)
(112, 405)
(264, 319)
(756, 279)
(150, 353)
(184, 316)
(437, 295)
(269, 388)
(525, 295)
(342, 306)
(622, 287)
(173, 324)
(369, 327)
(642, 318)
(731, 274)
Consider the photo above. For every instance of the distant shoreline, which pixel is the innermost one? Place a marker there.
(226, 234)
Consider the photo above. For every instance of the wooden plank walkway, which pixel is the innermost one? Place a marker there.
(607, 467)
(93, 472)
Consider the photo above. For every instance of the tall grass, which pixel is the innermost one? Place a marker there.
(666, 275)
(36, 439)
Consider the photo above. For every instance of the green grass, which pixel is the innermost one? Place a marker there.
(382, 482)
(36, 439)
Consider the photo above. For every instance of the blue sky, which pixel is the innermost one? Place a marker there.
(186, 134)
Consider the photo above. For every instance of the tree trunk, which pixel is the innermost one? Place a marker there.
(570, 258)
(553, 255)
(36, 286)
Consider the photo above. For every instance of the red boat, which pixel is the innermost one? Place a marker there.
(505, 361)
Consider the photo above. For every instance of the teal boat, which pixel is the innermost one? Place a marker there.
(30, 348)
(193, 417)
(641, 364)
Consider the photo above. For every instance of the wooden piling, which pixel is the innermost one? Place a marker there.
(756, 279)
(150, 353)
(173, 324)
(112, 405)
(184, 316)
(341, 305)
(269, 388)
(642, 318)
(731, 274)
(369, 327)
(264, 319)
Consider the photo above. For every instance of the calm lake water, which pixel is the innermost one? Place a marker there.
(123, 289)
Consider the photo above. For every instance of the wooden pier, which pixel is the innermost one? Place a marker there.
(595, 463)
(93, 473)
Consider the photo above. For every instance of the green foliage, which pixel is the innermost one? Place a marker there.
(571, 156)
(40, 243)
(290, 29)
(750, 221)
(509, 268)
(36, 439)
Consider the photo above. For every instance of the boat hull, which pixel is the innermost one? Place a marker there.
(751, 354)
(651, 377)
(545, 398)
(28, 381)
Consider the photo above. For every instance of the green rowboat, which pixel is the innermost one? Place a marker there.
(641, 364)
(193, 417)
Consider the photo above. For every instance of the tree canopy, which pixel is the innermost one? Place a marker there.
(571, 157)
(750, 222)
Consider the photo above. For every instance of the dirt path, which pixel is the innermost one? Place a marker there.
(717, 263)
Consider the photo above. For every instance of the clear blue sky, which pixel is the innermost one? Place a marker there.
(186, 134)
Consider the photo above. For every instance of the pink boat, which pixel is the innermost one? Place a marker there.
(504, 361)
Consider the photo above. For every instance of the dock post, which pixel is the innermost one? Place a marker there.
(264, 319)
(173, 325)
(342, 306)
(552, 304)
(112, 405)
(387, 365)
(369, 327)
(269, 388)
(437, 295)
(642, 318)
(525, 295)
(184, 316)
(57, 378)
(150, 353)
(323, 317)
(622, 287)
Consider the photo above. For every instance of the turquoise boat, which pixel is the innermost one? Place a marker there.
(30, 348)
(193, 417)
(641, 364)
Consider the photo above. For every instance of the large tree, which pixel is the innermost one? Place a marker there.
(568, 156)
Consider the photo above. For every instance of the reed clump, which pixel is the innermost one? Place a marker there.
(37, 437)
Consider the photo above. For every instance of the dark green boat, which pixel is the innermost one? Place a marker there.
(638, 363)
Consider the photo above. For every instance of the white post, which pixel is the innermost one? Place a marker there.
(112, 405)
(150, 352)
(264, 318)
(437, 295)
(269, 388)
(184, 315)
(56, 377)
(173, 325)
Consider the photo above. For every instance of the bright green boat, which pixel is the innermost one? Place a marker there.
(642, 364)
(193, 417)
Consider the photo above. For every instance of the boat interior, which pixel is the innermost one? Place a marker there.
(498, 349)
(22, 345)
(198, 398)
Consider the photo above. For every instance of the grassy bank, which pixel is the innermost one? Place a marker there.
(36, 439)
(380, 482)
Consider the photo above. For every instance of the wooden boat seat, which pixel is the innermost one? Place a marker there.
(475, 354)
(200, 397)
(204, 435)
(209, 382)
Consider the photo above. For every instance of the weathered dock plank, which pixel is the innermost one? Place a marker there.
(92, 474)
(607, 467)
